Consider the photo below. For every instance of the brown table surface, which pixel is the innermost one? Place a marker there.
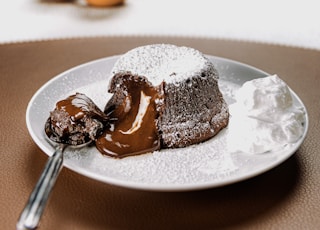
(286, 197)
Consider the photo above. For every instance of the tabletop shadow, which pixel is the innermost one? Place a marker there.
(102, 206)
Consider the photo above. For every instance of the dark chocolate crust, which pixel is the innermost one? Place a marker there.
(194, 111)
(188, 113)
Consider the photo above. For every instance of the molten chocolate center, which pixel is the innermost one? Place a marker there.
(134, 130)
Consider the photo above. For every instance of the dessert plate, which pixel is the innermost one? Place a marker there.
(200, 166)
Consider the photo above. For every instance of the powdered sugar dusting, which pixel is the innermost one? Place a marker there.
(162, 62)
(194, 164)
(194, 109)
(191, 165)
(208, 164)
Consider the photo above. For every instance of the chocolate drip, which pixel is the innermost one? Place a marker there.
(133, 111)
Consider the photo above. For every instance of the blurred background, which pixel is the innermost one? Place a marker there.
(293, 23)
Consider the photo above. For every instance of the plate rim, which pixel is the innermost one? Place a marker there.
(161, 187)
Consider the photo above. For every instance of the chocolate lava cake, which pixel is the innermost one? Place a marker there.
(164, 96)
(178, 87)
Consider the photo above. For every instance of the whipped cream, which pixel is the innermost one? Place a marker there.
(264, 117)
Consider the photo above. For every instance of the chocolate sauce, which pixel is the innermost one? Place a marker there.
(73, 106)
(78, 106)
(134, 128)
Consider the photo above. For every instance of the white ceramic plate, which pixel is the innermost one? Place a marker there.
(199, 166)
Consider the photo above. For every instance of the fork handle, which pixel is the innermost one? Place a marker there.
(31, 214)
